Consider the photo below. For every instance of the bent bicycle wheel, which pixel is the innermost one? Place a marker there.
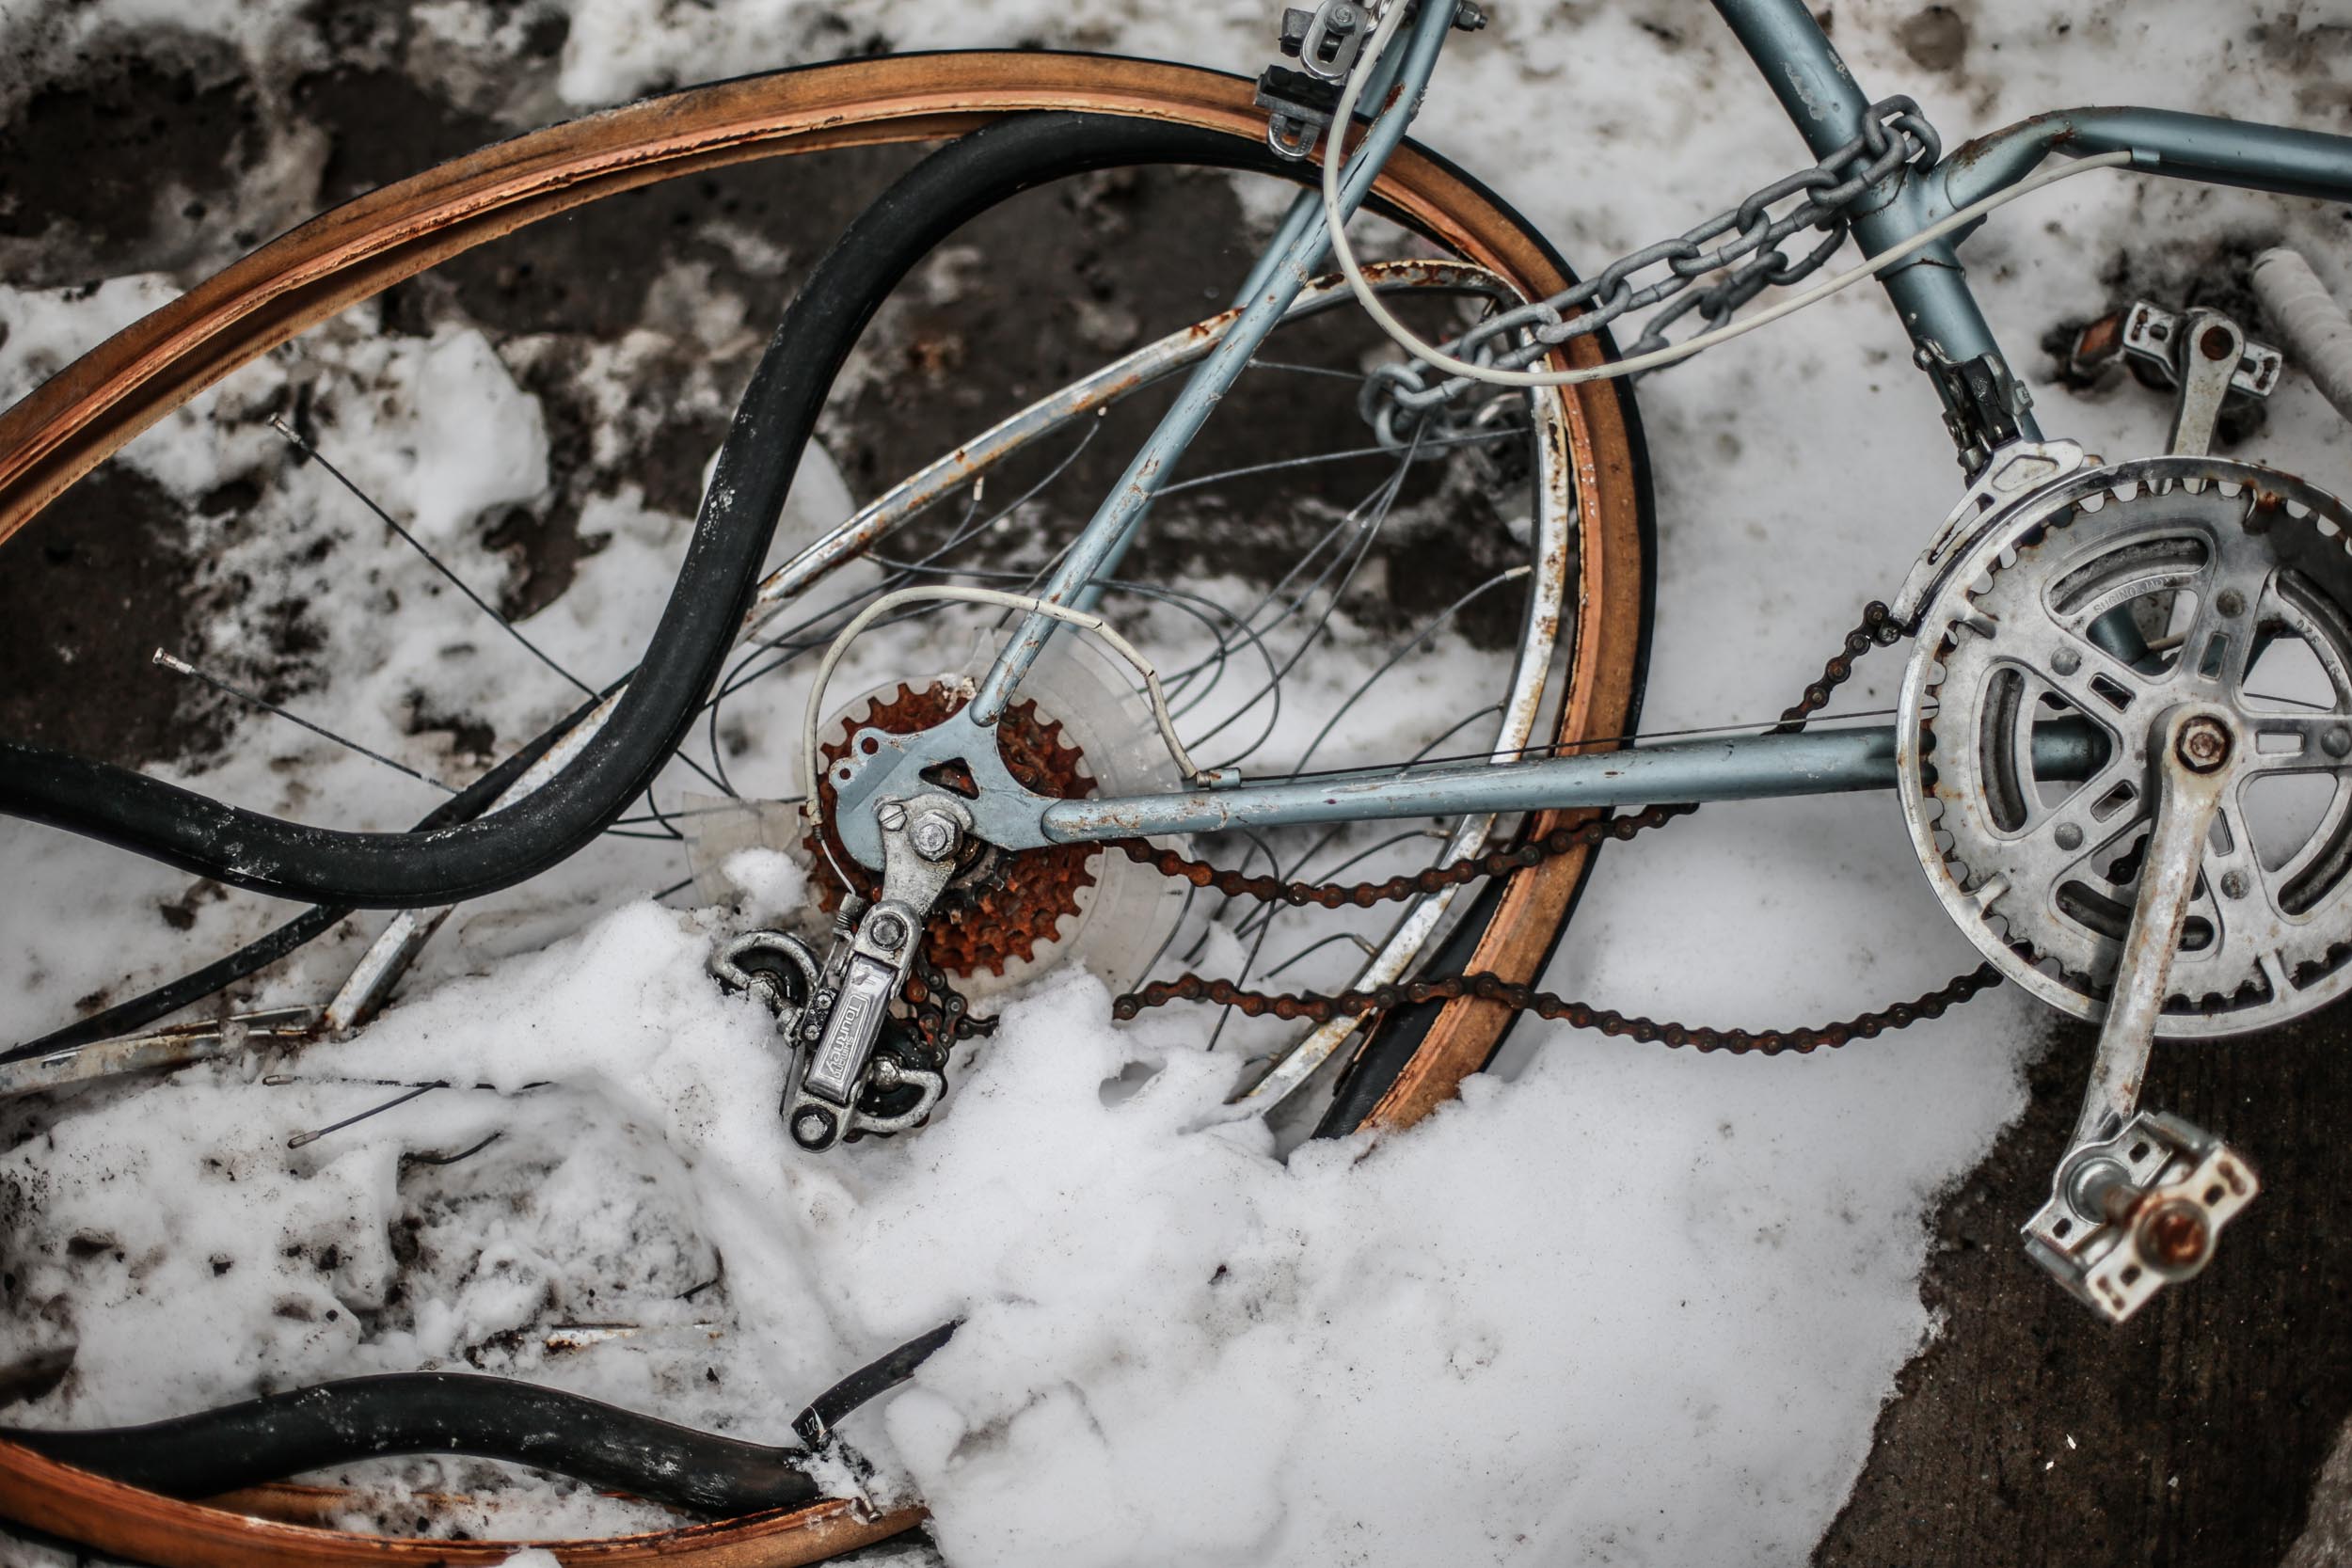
(1515, 551)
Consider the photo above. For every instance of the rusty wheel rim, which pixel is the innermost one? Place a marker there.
(94, 407)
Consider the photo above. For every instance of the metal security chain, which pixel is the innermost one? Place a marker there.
(1894, 133)
(1878, 630)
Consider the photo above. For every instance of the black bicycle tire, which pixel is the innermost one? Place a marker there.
(749, 481)
(279, 940)
(395, 1414)
(1386, 1047)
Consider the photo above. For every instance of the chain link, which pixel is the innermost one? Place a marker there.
(941, 1014)
(1878, 630)
(1434, 878)
(1894, 133)
(1320, 1008)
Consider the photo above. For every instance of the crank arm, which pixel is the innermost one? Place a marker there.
(2139, 1199)
(2205, 355)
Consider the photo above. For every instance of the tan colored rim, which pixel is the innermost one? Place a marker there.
(94, 407)
(125, 1521)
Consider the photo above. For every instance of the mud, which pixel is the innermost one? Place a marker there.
(87, 592)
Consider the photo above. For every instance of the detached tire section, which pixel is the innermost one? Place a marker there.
(1166, 114)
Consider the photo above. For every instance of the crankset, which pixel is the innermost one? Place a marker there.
(2192, 617)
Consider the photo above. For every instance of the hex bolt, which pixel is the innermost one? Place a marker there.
(2336, 741)
(2231, 602)
(2069, 837)
(2066, 661)
(887, 932)
(2203, 745)
(892, 815)
(933, 836)
(2234, 885)
(812, 1128)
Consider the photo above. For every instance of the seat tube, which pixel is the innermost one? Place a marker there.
(1930, 290)
(1096, 552)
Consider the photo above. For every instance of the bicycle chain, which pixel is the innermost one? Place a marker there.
(1877, 630)
(941, 1014)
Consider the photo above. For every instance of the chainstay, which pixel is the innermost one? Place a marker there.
(1878, 628)
(1333, 896)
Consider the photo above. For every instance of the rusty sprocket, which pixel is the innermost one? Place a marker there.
(1002, 907)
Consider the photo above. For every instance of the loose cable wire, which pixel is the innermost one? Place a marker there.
(1430, 354)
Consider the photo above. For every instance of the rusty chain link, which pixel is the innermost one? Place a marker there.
(940, 1013)
(1320, 1008)
(1878, 630)
(1333, 896)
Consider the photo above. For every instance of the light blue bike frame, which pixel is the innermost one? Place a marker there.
(1931, 295)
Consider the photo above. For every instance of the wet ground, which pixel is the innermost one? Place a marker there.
(2031, 1432)
(2025, 1433)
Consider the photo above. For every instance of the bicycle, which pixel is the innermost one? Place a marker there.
(916, 790)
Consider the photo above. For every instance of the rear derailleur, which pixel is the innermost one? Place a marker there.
(857, 1068)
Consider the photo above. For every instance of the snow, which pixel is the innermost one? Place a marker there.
(1617, 1305)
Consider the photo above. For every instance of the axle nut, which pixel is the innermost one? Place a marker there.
(2203, 745)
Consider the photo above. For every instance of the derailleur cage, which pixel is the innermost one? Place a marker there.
(856, 1069)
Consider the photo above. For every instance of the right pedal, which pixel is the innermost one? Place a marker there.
(2137, 1211)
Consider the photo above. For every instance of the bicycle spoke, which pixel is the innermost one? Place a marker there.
(310, 451)
(182, 667)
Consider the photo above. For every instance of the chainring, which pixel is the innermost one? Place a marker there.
(2116, 595)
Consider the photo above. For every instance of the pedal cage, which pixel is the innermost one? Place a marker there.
(2137, 1211)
